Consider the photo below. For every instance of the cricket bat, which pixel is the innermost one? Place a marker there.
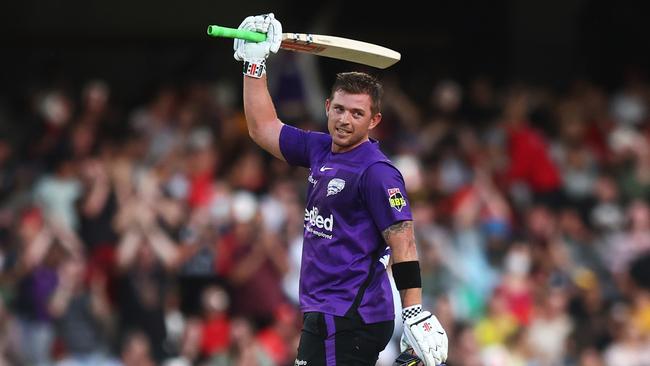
(329, 46)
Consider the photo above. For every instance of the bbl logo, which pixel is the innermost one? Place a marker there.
(396, 199)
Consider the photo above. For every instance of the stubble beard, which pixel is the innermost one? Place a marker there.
(347, 143)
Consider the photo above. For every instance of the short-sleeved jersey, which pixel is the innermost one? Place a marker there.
(351, 198)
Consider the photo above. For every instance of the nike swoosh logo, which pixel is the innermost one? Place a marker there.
(322, 169)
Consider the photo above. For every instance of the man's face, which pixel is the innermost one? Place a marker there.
(349, 120)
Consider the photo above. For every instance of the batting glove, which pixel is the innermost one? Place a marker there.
(254, 54)
(408, 359)
(424, 334)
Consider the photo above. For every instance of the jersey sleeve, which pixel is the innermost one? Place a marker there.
(384, 193)
(294, 145)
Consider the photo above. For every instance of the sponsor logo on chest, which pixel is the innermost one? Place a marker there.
(314, 219)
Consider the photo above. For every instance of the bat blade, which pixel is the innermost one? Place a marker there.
(321, 45)
(341, 48)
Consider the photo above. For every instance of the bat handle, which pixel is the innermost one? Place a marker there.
(218, 31)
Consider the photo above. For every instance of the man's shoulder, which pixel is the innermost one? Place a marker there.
(313, 136)
(319, 143)
(377, 156)
(300, 147)
(381, 167)
(321, 137)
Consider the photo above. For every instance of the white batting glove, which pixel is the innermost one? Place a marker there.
(425, 335)
(254, 54)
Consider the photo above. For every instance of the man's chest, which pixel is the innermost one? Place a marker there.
(332, 182)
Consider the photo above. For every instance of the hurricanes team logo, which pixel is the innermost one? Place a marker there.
(396, 199)
(335, 186)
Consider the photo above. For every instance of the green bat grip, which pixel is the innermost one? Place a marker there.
(218, 31)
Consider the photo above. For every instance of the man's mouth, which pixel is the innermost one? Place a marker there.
(342, 131)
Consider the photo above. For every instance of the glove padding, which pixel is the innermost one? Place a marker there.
(259, 51)
(426, 336)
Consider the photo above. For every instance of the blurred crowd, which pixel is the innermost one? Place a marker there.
(159, 234)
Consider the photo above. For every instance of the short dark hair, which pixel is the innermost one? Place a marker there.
(360, 83)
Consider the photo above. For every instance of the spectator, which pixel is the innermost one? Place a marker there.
(549, 328)
(190, 347)
(280, 339)
(607, 215)
(57, 193)
(516, 286)
(145, 257)
(258, 263)
(44, 247)
(82, 317)
(527, 151)
(136, 350)
(498, 324)
(634, 241)
(10, 343)
(245, 350)
(215, 322)
(629, 346)
(591, 314)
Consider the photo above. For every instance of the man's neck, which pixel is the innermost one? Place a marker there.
(338, 150)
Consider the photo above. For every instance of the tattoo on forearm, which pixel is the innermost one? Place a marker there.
(400, 227)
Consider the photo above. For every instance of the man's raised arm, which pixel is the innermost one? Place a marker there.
(263, 124)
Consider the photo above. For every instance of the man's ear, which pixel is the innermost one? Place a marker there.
(374, 121)
(327, 107)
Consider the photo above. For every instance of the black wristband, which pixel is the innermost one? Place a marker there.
(407, 275)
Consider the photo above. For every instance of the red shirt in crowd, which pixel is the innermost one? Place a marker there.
(215, 335)
(530, 161)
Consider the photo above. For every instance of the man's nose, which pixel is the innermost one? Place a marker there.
(345, 117)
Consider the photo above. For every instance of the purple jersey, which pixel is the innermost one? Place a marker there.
(352, 197)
